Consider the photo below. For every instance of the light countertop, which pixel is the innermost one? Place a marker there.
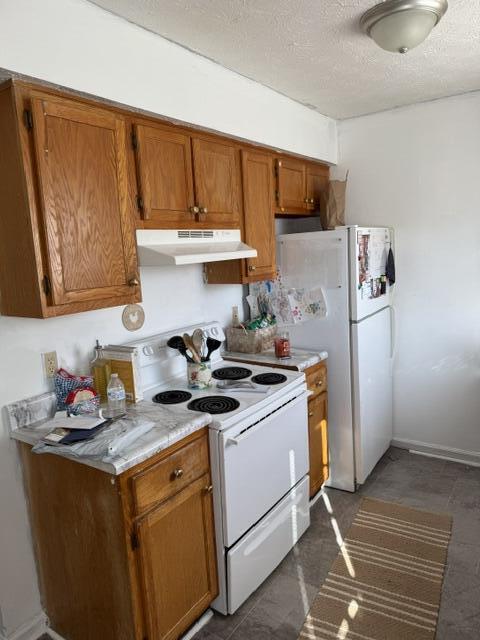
(27, 424)
(300, 358)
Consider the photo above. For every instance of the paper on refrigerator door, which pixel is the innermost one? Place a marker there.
(307, 304)
(289, 304)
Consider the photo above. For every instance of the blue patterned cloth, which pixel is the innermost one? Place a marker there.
(66, 382)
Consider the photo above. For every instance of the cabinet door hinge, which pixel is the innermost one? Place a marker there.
(134, 140)
(28, 119)
(139, 203)
(134, 542)
(47, 287)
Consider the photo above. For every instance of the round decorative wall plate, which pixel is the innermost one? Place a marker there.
(133, 317)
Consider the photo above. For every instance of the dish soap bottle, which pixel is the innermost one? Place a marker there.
(116, 396)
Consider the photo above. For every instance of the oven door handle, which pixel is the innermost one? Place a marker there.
(249, 432)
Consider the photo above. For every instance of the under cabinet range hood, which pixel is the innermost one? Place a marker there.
(169, 247)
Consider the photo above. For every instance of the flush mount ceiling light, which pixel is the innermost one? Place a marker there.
(401, 25)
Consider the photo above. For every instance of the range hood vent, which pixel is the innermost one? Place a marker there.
(190, 246)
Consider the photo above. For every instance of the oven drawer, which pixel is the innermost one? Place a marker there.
(162, 480)
(260, 463)
(258, 553)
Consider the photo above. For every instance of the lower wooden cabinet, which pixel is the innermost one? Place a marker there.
(112, 568)
(318, 441)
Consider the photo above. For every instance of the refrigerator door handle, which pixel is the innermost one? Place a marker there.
(393, 327)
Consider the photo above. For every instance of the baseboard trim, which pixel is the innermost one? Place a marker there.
(471, 458)
(29, 630)
(53, 634)
(201, 622)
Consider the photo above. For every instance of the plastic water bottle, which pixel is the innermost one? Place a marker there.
(116, 396)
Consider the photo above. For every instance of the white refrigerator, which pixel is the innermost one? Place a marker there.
(348, 265)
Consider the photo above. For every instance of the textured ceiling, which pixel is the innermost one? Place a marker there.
(314, 52)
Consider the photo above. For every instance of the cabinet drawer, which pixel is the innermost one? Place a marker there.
(317, 378)
(170, 475)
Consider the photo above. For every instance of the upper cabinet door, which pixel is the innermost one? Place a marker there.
(81, 157)
(291, 186)
(257, 174)
(164, 168)
(217, 183)
(317, 185)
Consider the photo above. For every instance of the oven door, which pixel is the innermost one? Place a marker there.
(260, 461)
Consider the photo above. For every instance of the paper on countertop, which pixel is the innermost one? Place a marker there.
(62, 421)
(109, 442)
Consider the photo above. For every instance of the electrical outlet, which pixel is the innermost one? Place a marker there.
(50, 363)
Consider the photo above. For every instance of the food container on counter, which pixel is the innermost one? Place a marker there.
(250, 340)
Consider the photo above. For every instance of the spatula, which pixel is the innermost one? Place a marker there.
(212, 345)
(176, 342)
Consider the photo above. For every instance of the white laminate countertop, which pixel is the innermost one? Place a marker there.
(168, 428)
(300, 358)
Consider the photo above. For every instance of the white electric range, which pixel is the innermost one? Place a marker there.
(258, 453)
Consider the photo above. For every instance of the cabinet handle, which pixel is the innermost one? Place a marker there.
(251, 267)
(310, 414)
(194, 209)
(312, 201)
(203, 210)
(306, 200)
(178, 473)
(319, 383)
(133, 282)
(209, 489)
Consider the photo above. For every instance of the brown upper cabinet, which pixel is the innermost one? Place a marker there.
(291, 185)
(217, 182)
(67, 233)
(77, 177)
(258, 224)
(300, 186)
(186, 181)
(164, 168)
(317, 185)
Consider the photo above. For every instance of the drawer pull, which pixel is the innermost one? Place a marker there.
(319, 383)
(310, 414)
(209, 489)
(178, 473)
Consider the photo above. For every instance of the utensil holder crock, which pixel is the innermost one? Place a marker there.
(199, 375)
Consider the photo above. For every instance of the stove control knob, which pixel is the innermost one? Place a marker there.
(148, 351)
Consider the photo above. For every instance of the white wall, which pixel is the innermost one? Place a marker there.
(78, 45)
(73, 43)
(417, 169)
(173, 297)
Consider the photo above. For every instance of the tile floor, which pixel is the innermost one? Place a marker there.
(278, 608)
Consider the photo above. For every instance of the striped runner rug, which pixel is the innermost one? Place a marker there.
(386, 581)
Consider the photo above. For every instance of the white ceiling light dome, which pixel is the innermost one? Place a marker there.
(401, 25)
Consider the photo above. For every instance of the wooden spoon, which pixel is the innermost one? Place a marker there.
(191, 347)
